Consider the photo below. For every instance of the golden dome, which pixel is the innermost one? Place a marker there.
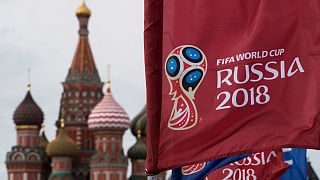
(63, 145)
(83, 10)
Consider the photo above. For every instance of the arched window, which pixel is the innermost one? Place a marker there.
(33, 156)
(18, 157)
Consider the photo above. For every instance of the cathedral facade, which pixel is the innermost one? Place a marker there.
(90, 128)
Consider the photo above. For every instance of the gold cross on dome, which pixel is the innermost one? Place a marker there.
(108, 71)
(28, 83)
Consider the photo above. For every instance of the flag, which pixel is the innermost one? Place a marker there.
(297, 159)
(201, 170)
(230, 77)
(267, 165)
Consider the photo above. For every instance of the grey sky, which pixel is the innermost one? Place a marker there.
(42, 35)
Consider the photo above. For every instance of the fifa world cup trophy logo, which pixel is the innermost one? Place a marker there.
(191, 169)
(185, 68)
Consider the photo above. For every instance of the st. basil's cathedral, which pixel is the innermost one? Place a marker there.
(90, 128)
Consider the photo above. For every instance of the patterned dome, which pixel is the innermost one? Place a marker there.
(28, 112)
(63, 145)
(140, 123)
(138, 129)
(138, 150)
(108, 115)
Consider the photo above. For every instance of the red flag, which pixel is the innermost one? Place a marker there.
(229, 77)
(267, 165)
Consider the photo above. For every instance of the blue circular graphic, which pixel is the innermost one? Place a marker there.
(193, 77)
(173, 66)
(192, 54)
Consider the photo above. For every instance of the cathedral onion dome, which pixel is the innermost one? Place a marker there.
(28, 112)
(43, 141)
(83, 11)
(63, 145)
(140, 123)
(108, 115)
(138, 150)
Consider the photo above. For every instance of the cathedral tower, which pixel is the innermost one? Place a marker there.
(108, 121)
(62, 150)
(27, 160)
(138, 152)
(82, 90)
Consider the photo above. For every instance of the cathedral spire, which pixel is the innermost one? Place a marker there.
(83, 10)
(82, 90)
(83, 68)
(83, 13)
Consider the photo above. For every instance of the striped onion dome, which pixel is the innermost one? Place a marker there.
(108, 115)
(28, 112)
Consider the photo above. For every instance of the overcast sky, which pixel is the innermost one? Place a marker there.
(42, 35)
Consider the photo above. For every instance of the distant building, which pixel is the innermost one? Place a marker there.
(27, 159)
(108, 121)
(138, 152)
(82, 90)
(62, 150)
